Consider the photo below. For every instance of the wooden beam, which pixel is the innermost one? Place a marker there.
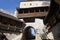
(8, 28)
(34, 14)
(10, 23)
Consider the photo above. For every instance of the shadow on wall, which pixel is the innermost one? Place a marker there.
(3, 37)
(56, 32)
(56, 29)
(54, 12)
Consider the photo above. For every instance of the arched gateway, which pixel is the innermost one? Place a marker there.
(29, 33)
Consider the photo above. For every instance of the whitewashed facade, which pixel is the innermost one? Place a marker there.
(39, 27)
(30, 4)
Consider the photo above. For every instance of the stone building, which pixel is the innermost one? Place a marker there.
(10, 26)
(33, 13)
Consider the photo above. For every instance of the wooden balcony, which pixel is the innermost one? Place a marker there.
(34, 14)
(9, 23)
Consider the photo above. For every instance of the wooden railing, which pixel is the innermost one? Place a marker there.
(34, 14)
(10, 24)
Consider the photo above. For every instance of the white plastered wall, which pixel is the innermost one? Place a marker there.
(34, 4)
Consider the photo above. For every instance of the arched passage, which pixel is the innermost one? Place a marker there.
(28, 33)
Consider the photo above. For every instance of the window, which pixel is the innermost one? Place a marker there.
(24, 4)
(29, 19)
(30, 4)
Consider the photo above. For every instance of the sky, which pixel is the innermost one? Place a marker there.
(9, 5)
